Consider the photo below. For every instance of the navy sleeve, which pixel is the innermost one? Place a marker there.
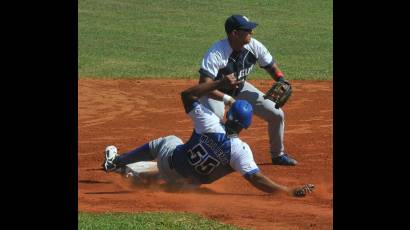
(204, 72)
(270, 64)
(250, 173)
(194, 104)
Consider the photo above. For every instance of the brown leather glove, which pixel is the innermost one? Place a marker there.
(279, 93)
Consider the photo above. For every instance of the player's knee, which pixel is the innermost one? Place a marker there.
(277, 115)
(173, 138)
(280, 113)
(170, 137)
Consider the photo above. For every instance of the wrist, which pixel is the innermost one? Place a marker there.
(282, 79)
(227, 99)
(280, 76)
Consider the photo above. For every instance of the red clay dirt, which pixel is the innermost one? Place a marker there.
(128, 113)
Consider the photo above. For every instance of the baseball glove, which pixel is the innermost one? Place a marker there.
(279, 93)
(302, 191)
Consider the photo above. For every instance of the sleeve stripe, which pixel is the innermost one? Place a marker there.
(206, 73)
(250, 173)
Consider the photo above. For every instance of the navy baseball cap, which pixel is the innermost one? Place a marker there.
(235, 22)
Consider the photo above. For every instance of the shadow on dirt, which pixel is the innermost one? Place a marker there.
(264, 164)
(113, 192)
(95, 169)
(186, 189)
(94, 182)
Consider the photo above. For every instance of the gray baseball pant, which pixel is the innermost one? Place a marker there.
(161, 149)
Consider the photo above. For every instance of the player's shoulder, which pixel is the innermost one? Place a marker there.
(254, 44)
(220, 47)
(257, 48)
(220, 44)
(205, 120)
(240, 147)
(200, 110)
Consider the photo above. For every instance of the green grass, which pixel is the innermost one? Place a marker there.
(168, 38)
(147, 220)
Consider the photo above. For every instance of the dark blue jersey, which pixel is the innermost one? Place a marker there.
(209, 154)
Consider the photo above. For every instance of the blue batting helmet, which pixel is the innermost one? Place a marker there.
(241, 113)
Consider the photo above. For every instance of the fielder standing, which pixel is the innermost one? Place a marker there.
(236, 55)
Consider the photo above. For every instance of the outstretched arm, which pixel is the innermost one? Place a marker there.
(192, 94)
(264, 184)
(215, 94)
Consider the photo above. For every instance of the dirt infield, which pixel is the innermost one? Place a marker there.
(128, 113)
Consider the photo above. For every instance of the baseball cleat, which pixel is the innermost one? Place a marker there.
(110, 155)
(284, 159)
(302, 191)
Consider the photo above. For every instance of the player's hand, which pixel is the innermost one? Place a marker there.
(303, 190)
(229, 103)
(230, 82)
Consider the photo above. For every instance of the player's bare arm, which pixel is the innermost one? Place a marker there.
(274, 72)
(216, 94)
(264, 184)
(192, 94)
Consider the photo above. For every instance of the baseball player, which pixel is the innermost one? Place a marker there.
(213, 150)
(235, 56)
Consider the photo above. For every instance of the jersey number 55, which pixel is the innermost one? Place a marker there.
(202, 161)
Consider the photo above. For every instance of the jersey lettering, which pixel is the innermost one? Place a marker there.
(243, 73)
